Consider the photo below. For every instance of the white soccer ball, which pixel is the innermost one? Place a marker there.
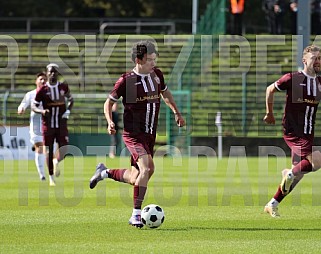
(153, 216)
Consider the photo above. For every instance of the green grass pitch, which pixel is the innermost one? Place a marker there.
(211, 206)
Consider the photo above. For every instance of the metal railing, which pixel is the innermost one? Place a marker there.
(78, 25)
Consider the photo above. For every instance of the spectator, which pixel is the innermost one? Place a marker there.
(316, 17)
(237, 9)
(274, 12)
(293, 15)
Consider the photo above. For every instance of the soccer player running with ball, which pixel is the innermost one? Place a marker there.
(303, 94)
(141, 90)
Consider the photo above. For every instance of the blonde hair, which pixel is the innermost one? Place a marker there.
(310, 48)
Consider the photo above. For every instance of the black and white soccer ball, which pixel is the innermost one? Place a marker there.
(152, 216)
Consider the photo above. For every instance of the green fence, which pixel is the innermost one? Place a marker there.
(178, 139)
(213, 21)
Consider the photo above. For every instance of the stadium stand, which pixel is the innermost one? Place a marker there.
(218, 87)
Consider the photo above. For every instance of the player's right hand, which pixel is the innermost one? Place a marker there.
(269, 118)
(111, 128)
(21, 111)
(45, 112)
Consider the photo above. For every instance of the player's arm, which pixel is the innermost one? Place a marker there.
(24, 104)
(108, 105)
(70, 104)
(169, 100)
(35, 106)
(269, 102)
(70, 101)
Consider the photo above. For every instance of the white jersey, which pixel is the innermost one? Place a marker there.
(35, 119)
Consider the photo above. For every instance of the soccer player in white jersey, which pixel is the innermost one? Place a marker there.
(36, 137)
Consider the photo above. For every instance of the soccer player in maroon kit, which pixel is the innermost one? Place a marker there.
(303, 94)
(141, 90)
(52, 96)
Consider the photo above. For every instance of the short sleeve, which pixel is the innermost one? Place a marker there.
(119, 89)
(284, 82)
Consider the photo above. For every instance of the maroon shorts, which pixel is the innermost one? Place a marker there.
(58, 134)
(300, 147)
(139, 144)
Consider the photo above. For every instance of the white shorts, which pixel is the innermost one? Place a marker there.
(36, 135)
(35, 138)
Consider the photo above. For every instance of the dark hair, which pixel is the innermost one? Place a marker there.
(41, 74)
(140, 49)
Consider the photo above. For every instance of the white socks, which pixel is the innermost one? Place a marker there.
(136, 211)
(273, 202)
(104, 174)
(40, 164)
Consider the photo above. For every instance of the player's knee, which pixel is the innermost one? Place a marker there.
(149, 171)
(315, 160)
(132, 181)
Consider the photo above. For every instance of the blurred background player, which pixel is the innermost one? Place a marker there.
(141, 90)
(36, 137)
(303, 94)
(114, 138)
(53, 96)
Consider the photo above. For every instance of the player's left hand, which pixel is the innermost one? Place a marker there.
(269, 118)
(179, 120)
(66, 114)
(111, 129)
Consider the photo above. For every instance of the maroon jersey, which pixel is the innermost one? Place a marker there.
(303, 94)
(141, 100)
(53, 98)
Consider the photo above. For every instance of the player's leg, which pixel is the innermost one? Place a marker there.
(291, 178)
(146, 170)
(302, 160)
(310, 163)
(40, 160)
(62, 149)
(287, 177)
(315, 160)
(272, 206)
(48, 145)
(124, 175)
(37, 141)
(120, 175)
(146, 167)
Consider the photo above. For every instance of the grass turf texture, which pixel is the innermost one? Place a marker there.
(210, 206)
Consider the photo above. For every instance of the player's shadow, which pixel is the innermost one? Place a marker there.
(239, 229)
